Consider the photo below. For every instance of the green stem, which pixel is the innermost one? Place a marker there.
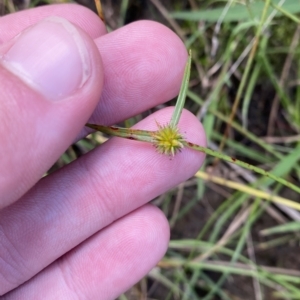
(242, 164)
(126, 133)
(182, 94)
(169, 140)
(147, 136)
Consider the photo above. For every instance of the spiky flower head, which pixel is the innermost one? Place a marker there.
(167, 139)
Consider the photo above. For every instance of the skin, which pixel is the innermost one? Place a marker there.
(86, 231)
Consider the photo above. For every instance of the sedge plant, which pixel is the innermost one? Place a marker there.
(168, 140)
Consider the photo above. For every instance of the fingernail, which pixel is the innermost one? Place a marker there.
(50, 56)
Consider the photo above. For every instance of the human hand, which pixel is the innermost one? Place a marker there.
(84, 231)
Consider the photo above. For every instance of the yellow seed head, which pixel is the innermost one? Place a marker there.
(167, 139)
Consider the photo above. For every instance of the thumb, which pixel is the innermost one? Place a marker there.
(50, 82)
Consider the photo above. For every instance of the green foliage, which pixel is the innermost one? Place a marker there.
(231, 234)
(235, 11)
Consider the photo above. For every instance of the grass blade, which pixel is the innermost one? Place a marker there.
(182, 94)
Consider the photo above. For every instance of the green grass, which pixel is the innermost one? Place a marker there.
(225, 243)
(256, 47)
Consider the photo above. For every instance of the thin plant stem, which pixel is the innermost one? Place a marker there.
(99, 9)
(241, 164)
(127, 133)
(182, 94)
(168, 140)
(147, 136)
(248, 189)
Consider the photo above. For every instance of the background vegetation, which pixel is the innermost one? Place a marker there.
(245, 89)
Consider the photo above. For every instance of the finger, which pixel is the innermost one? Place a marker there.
(70, 205)
(48, 91)
(13, 24)
(144, 64)
(107, 264)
